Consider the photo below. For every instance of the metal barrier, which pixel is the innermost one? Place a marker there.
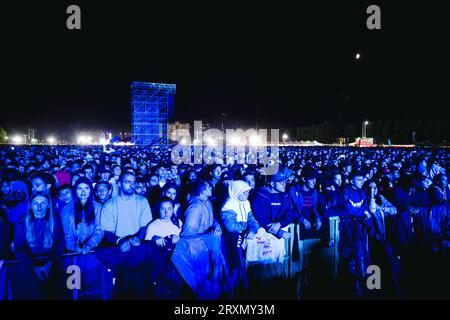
(96, 279)
(330, 252)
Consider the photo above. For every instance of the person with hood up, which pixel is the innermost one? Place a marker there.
(198, 255)
(239, 225)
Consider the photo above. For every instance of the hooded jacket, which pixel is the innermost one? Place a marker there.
(199, 218)
(237, 215)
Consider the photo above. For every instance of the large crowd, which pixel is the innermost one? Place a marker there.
(226, 230)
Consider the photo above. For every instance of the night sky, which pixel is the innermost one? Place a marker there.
(276, 65)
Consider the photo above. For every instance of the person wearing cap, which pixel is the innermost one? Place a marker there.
(239, 225)
(226, 178)
(272, 206)
(273, 210)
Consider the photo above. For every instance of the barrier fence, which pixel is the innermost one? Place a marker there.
(97, 280)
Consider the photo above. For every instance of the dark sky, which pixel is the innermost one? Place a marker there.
(287, 65)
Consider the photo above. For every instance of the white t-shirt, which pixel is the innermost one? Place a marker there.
(115, 187)
(162, 228)
(125, 217)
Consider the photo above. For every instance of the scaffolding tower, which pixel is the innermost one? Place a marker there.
(152, 106)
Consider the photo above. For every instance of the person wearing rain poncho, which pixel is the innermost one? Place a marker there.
(239, 226)
(198, 255)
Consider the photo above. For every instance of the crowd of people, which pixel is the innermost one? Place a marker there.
(226, 230)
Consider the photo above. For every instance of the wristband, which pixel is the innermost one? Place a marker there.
(117, 242)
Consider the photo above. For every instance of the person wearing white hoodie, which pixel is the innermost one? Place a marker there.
(239, 225)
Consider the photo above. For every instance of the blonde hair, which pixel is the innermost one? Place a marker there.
(30, 221)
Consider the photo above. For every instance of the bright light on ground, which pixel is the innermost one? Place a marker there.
(235, 141)
(17, 139)
(255, 140)
(51, 140)
(84, 139)
(210, 141)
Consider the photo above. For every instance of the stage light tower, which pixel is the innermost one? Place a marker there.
(364, 128)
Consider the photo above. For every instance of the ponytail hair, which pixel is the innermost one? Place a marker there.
(174, 217)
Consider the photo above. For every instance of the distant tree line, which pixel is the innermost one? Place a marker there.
(383, 131)
(2, 135)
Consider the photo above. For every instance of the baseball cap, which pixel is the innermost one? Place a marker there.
(226, 176)
(278, 177)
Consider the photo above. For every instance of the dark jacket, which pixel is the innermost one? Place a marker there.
(354, 227)
(29, 255)
(5, 238)
(399, 228)
(421, 200)
(334, 204)
(296, 197)
(272, 207)
(356, 202)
